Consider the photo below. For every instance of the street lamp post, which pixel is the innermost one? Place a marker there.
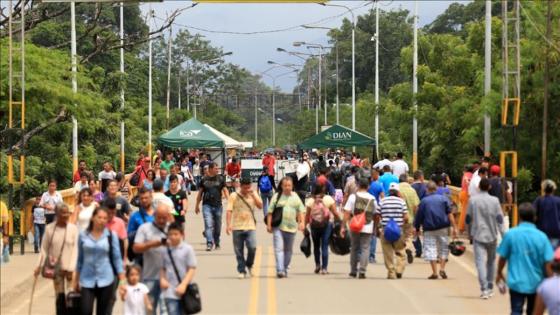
(353, 59)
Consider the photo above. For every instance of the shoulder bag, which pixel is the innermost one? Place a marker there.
(248, 206)
(277, 212)
(52, 266)
(191, 299)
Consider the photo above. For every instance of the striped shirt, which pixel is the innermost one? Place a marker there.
(392, 207)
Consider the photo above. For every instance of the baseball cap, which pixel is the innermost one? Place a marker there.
(494, 170)
(394, 186)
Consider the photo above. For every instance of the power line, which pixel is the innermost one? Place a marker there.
(530, 19)
(286, 29)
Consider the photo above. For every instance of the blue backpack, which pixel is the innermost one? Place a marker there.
(392, 231)
(264, 184)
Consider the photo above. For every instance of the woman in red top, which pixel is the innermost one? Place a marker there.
(233, 172)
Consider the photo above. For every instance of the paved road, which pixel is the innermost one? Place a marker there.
(302, 293)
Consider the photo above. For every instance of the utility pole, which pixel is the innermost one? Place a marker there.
(150, 90)
(169, 43)
(179, 90)
(274, 112)
(337, 100)
(121, 34)
(415, 91)
(74, 84)
(325, 90)
(545, 103)
(256, 115)
(320, 76)
(487, 72)
(377, 80)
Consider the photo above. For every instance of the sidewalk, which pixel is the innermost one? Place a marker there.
(16, 276)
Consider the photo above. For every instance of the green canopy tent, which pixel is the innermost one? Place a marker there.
(192, 134)
(337, 136)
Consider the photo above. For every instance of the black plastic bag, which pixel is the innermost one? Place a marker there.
(305, 244)
(339, 245)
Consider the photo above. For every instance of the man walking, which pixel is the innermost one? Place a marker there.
(399, 165)
(412, 201)
(212, 188)
(434, 217)
(393, 207)
(240, 219)
(485, 221)
(548, 212)
(528, 253)
(270, 161)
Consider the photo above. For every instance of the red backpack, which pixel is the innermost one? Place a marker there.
(319, 214)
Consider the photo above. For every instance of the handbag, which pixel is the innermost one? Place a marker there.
(191, 299)
(51, 267)
(357, 222)
(277, 213)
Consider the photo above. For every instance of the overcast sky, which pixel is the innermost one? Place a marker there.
(253, 51)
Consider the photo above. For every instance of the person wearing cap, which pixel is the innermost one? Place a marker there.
(548, 212)
(393, 207)
(528, 255)
(485, 220)
(495, 183)
(434, 217)
(548, 293)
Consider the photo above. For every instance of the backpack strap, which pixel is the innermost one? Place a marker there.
(110, 240)
(248, 206)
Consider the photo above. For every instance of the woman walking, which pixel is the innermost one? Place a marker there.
(284, 230)
(84, 210)
(149, 180)
(59, 253)
(49, 200)
(99, 263)
(320, 209)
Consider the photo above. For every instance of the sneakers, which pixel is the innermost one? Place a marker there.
(391, 276)
(281, 275)
(362, 275)
(209, 247)
(409, 256)
(324, 272)
(317, 269)
(399, 275)
(352, 275)
(372, 260)
(490, 293)
(217, 247)
(241, 276)
(484, 295)
(250, 272)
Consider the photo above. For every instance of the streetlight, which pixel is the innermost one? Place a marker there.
(299, 55)
(294, 67)
(337, 75)
(353, 59)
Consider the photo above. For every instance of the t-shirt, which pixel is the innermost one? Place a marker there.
(375, 189)
(420, 189)
(411, 198)
(48, 199)
(177, 199)
(137, 219)
(381, 164)
(243, 217)
(350, 187)
(526, 250)
(212, 190)
(123, 207)
(548, 215)
(496, 188)
(159, 197)
(118, 226)
(38, 215)
(134, 299)
(549, 290)
(184, 258)
(399, 167)
(166, 164)
(387, 179)
(392, 207)
(292, 207)
(152, 257)
(79, 186)
(233, 169)
(369, 204)
(270, 162)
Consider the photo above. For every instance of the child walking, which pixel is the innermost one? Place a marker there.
(136, 300)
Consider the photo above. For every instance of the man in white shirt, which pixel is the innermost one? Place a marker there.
(158, 196)
(106, 175)
(475, 181)
(399, 165)
(380, 164)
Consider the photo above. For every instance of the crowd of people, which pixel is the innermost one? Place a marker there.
(116, 244)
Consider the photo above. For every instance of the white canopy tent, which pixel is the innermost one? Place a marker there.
(229, 142)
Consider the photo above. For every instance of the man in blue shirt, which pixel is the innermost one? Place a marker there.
(528, 253)
(548, 212)
(387, 178)
(419, 184)
(144, 214)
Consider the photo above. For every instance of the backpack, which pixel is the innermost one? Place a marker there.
(319, 214)
(264, 184)
(392, 231)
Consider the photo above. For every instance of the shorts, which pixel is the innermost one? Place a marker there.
(435, 246)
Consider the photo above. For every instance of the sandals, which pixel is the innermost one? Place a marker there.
(433, 277)
(443, 274)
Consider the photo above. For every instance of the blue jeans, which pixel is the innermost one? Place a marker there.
(372, 246)
(283, 248)
(212, 224)
(242, 239)
(154, 293)
(173, 307)
(320, 239)
(39, 232)
(485, 258)
(266, 199)
(517, 300)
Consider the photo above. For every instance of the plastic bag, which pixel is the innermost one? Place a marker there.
(305, 244)
(339, 245)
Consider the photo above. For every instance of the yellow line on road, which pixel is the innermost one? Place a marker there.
(271, 282)
(254, 296)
